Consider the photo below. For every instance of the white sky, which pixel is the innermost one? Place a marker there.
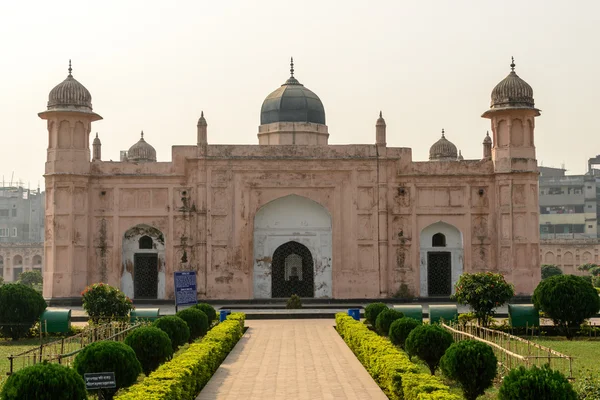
(154, 65)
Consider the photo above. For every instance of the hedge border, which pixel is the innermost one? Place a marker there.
(184, 377)
(396, 375)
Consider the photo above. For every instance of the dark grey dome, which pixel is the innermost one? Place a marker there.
(443, 149)
(142, 151)
(292, 102)
(70, 94)
(512, 91)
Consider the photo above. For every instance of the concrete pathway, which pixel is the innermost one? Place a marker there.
(291, 360)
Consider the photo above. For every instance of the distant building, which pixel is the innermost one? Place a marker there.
(21, 231)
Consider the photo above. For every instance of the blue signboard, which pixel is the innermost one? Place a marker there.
(185, 288)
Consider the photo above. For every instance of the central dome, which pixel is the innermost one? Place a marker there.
(292, 102)
(141, 151)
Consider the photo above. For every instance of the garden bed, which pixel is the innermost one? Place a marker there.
(184, 376)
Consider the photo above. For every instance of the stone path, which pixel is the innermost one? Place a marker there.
(291, 360)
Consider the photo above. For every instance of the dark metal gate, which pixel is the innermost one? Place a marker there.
(145, 276)
(439, 273)
(292, 271)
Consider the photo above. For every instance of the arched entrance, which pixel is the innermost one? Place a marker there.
(292, 249)
(293, 271)
(441, 248)
(143, 263)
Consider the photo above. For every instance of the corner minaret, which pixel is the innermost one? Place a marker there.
(69, 117)
(512, 114)
(97, 149)
(487, 146)
(380, 127)
(202, 130)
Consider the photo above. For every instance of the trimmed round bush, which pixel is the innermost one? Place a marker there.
(209, 310)
(372, 311)
(400, 329)
(44, 382)
(536, 384)
(104, 302)
(429, 343)
(176, 328)
(384, 320)
(552, 294)
(109, 356)
(549, 270)
(196, 320)
(471, 363)
(151, 345)
(21, 308)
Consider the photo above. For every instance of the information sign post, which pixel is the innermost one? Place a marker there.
(99, 381)
(185, 288)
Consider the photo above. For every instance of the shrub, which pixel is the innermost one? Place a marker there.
(21, 308)
(104, 302)
(536, 384)
(184, 376)
(196, 320)
(429, 343)
(483, 291)
(390, 368)
(31, 278)
(384, 320)
(568, 300)
(44, 382)
(176, 328)
(596, 281)
(400, 329)
(549, 270)
(472, 364)
(294, 302)
(209, 310)
(372, 311)
(152, 347)
(109, 356)
(593, 269)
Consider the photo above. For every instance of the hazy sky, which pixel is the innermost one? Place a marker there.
(154, 65)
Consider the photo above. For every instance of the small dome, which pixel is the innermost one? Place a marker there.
(96, 140)
(487, 138)
(443, 149)
(512, 91)
(70, 94)
(292, 102)
(141, 151)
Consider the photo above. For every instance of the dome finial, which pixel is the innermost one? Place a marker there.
(202, 114)
(142, 134)
(96, 135)
(380, 114)
(443, 133)
(70, 69)
(291, 67)
(512, 64)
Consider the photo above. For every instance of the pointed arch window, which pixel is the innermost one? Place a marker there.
(146, 243)
(438, 240)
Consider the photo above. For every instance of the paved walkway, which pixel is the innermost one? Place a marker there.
(291, 360)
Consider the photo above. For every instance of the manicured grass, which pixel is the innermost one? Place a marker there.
(586, 352)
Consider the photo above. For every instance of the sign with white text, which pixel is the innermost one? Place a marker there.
(185, 288)
(100, 380)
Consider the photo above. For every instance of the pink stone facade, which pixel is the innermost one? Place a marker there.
(366, 212)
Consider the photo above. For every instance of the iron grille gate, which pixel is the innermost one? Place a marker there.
(292, 271)
(145, 276)
(439, 274)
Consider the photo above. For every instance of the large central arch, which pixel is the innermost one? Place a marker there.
(286, 227)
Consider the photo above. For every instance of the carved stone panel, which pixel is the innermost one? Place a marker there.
(365, 228)
(366, 198)
(505, 195)
(519, 194)
(366, 259)
(479, 196)
(479, 227)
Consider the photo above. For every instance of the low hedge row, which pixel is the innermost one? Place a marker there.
(183, 377)
(397, 376)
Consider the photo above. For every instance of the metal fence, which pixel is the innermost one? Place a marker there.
(513, 351)
(64, 350)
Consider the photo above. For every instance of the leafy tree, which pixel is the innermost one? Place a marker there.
(109, 356)
(104, 302)
(549, 270)
(568, 300)
(372, 311)
(429, 343)
(44, 382)
(536, 384)
(471, 363)
(385, 319)
(483, 292)
(593, 269)
(151, 345)
(400, 329)
(20, 308)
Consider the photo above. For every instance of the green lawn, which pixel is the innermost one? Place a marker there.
(8, 347)
(586, 352)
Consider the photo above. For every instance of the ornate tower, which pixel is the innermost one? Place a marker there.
(202, 130)
(97, 149)
(69, 117)
(512, 113)
(380, 128)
